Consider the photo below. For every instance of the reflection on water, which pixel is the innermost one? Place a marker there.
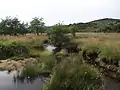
(7, 82)
(50, 47)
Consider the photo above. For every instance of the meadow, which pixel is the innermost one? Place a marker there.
(101, 59)
(72, 72)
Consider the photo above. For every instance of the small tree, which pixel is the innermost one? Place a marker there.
(37, 25)
(58, 36)
(73, 30)
(11, 26)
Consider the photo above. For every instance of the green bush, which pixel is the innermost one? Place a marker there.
(9, 49)
(57, 36)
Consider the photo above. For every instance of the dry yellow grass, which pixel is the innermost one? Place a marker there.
(23, 38)
(108, 39)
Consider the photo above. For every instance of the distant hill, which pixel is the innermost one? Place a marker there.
(101, 25)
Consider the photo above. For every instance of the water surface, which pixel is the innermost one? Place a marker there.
(7, 83)
(50, 48)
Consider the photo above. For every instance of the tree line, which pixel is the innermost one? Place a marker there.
(106, 25)
(13, 26)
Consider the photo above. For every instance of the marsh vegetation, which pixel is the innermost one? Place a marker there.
(79, 61)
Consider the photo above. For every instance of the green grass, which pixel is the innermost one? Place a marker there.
(16, 48)
(17, 58)
(44, 67)
(110, 53)
(107, 43)
(29, 72)
(38, 53)
(10, 49)
(73, 75)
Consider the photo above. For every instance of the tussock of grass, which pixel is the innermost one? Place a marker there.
(110, 53)
(43, 67)
(72, 75)
(30, 72)
(92, 47)
(38, 53)
(47, 63)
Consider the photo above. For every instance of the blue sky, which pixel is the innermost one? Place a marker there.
(54, 11)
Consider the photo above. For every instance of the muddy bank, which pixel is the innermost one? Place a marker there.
(14, 65)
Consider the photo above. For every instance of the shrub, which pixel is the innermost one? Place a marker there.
(10, 49)
(57, 36)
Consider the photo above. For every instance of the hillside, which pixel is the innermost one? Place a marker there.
(101, 25)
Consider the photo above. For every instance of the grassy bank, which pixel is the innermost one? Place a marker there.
(15, 51)
(15, 47)
(10, 49)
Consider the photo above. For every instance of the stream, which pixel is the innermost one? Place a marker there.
(50, 47)
(7, 80)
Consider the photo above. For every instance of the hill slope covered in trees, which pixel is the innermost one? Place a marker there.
(101, 25)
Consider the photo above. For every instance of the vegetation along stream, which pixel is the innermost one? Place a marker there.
(59, 57)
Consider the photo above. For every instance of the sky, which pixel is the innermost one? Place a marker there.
(66, 11)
